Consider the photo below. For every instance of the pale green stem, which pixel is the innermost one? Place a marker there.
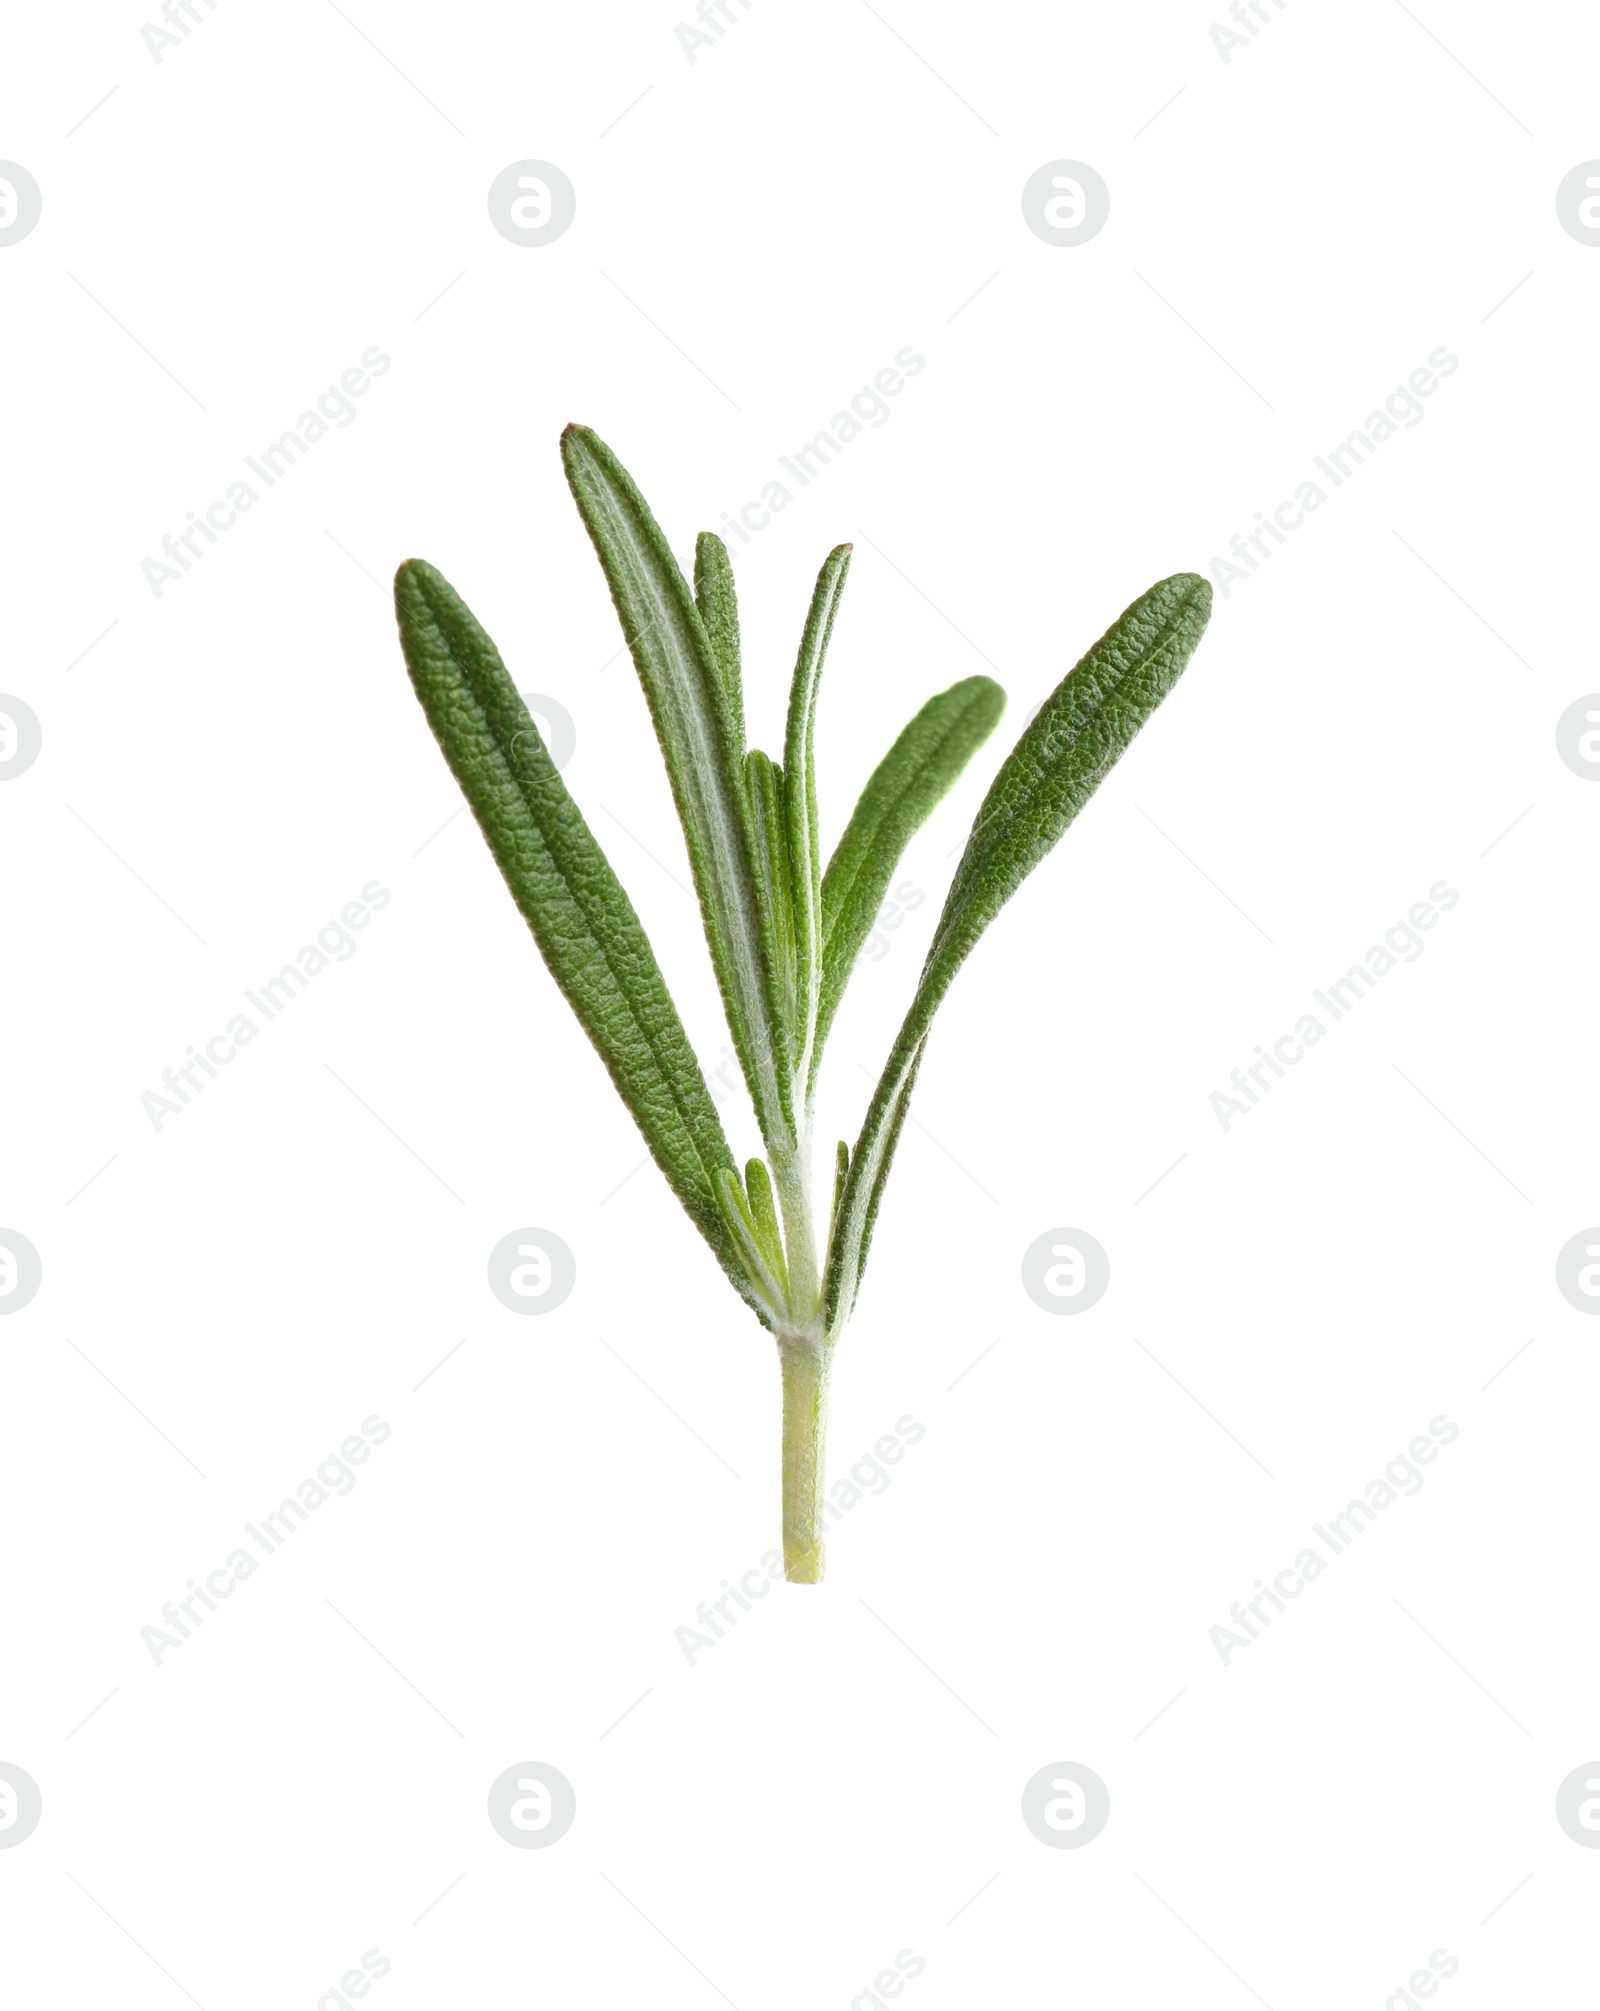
(805, 1433)
(803, 1353)
(791, 1180)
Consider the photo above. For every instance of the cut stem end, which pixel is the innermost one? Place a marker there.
(805, 1433)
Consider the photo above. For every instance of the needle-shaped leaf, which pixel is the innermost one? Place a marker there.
(907, 785)
(718, 603)
(580, 916)
(685, 685)
(769, 1290)
(1080, 733)
(770, 854)
(841, 1172)
(800, 796)
(764, 1214)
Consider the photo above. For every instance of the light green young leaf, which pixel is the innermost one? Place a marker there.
(800, 798)
(684, 683)
(581, 918)
(764, 1216)
(767, 1291)
(1080, 733)
(907, 785)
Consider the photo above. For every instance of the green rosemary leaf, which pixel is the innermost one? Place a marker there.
(580, 916)
(718, 604)
(1079, 734)
(800, 798)
(770, 856)
(766, 1291)
(764, 1215)
(684, 684)
(905, 788)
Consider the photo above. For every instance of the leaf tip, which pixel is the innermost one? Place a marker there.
(413, 580)
(579, 443)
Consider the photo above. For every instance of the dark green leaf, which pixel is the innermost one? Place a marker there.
(770, 854)
(841, 1172)
(581, 918)
(1080, 733)
(718, 603)
(911, 780)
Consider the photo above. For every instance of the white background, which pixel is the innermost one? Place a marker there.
(228, 764)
